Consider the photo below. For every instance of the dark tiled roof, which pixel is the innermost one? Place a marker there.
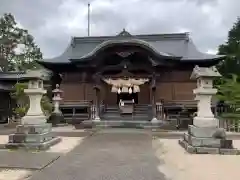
(10, 75)
(31, 74)
(4, 87)
(169, 45)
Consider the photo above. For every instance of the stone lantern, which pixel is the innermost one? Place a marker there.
(56, 116)
(35, 92)
(34, 132)
(205, 136)
(203, 95)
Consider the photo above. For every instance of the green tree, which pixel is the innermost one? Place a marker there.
(17, 46)
(229, 90)
(231, 48)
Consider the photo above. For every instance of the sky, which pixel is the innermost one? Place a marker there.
(54, 22)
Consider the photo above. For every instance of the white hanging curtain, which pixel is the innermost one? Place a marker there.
(114, 89)
(125, 89)
(136, 89)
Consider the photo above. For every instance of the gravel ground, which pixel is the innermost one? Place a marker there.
(14, 174)
(180, 165)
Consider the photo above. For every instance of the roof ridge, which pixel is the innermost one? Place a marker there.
(169, 36)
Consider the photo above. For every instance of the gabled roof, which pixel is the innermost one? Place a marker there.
(178, 46)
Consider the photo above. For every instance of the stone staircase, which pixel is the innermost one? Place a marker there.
(140, 118)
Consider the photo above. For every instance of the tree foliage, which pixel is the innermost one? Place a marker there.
(231, 48)
(229, 90)
(17, 46)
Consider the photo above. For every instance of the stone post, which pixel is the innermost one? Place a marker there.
(34, 132)
(204, 136)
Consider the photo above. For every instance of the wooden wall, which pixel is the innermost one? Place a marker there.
(175, 85)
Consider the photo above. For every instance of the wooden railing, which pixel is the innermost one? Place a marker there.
(178, 114)
(101, 110)
(75, 112)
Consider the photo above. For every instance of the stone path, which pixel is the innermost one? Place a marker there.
(107, 156)
(26, 160)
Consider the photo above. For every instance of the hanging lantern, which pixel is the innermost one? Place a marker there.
(119, 91)
(130, 90)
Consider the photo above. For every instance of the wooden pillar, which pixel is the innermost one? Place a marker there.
(97, 94)
(97, 103)
(83, 81)
(153, 88)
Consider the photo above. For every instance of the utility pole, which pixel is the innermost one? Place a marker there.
(88, 19)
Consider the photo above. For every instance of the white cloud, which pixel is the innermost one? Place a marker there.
(54, 22)
(212, 51)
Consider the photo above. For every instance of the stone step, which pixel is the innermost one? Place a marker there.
(126, 119)
(125, 115)
(124, 124)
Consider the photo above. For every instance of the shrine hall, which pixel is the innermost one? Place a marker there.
(127, 77)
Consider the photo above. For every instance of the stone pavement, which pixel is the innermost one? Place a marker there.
(107, 155)
(26, 160)
(18, 165)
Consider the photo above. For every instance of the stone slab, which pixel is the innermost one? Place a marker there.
(202, 142)
(207, 150)
(33, 128)
(30, 138)
(202, 132)
(34, 146)
(187, 147)
(26, 160)
(233, 151)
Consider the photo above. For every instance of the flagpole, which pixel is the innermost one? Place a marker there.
(88, 19)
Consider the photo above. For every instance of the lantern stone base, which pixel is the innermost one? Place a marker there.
(32, 137)
(205, 121)
(56, 118)
(96, 119)
(154, 120)
(204, 140)
(34, 119)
